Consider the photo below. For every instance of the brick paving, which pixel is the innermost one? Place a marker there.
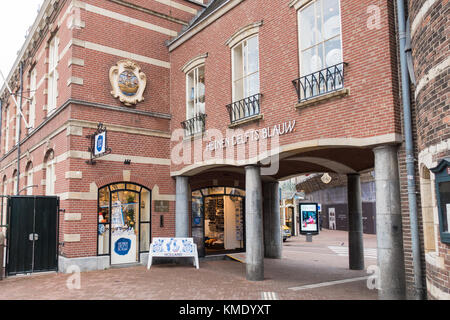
(302, 264)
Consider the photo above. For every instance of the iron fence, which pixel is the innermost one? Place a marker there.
(194, 125)
(245, 108)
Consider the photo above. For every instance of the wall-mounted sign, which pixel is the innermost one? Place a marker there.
(128, 82)
(252, 135)
(309, 218)
(161, 206)
(99, 144)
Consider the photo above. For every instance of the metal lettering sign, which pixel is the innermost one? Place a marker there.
(309, 218)
(99, 144)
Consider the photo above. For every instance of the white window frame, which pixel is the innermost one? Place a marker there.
(300, 10)
(32, 101)
(52, 91)
(30, 180)
(50, 177)
(7, 130)
(243, 45)
(198, 107)
(15, 182)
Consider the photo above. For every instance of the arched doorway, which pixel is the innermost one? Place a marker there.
(218, 220)
(124, 222)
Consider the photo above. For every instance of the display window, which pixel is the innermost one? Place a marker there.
(124, 222)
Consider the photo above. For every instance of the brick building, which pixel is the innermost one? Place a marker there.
(430, 43)
(207, 107)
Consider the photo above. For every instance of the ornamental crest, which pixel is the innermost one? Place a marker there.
(128, 82)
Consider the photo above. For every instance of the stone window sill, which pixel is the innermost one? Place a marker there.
(339, 93)
(246, 120)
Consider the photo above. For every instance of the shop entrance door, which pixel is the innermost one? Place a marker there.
(124, 227)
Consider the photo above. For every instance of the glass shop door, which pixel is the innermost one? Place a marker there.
(124, 227)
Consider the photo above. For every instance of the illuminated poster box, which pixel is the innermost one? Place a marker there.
(309, 218)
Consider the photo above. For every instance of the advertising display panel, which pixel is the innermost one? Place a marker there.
(309, 218)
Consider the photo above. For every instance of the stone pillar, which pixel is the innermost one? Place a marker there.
(391, 281)
(272, 225)
(182, 207)
(254, 241)
(355, 223)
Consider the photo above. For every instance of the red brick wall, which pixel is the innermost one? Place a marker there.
(370, 110)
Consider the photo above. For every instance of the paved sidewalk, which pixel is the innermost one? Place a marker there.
(303, 264)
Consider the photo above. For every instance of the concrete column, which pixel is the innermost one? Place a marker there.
(272, 225)
(355, 223)
(182, 207)
(254, 241)
(391, 281)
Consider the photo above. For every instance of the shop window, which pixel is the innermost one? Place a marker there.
(442, 178)
(320, 45)
(32, 101)
(52, 92)
(124, 221)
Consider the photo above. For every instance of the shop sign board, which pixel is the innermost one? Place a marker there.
(309, 218)
(99, 143)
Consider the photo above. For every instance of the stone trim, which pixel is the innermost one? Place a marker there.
(433, 73)
(120, 53)
(72, 238)
(340, 93)
(72, 216)
(421, 15)
(298, 4)
(75, 80)
(246, 120)
(390, 138)
(194, 63)
(243, 33)
(215, 15)
(123, 18)
(74, 175)
(75, 62)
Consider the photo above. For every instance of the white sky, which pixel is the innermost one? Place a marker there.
(16, 17)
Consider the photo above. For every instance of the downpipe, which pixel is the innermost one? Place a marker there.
(419, 293)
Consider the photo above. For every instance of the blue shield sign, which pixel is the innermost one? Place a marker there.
(122, 246)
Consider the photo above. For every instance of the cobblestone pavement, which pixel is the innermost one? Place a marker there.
(303, 264)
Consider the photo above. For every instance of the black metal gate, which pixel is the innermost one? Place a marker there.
(32, 237)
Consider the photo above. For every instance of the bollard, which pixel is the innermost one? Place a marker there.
(2, 249)
(309, 238)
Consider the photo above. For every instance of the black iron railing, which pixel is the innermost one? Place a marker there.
(194, 125)
(245, 108)
(321, 82)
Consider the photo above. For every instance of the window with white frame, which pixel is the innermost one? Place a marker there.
(7, 130)
(16, 136)
(29, 179)
(245, 60)
(50, 176)
(14, 190)
(52, 92)
(32, 101)
(195, 95)
(320, 36)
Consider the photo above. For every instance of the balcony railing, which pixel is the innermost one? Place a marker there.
(321, 82)
(194, 125)
(245, 108)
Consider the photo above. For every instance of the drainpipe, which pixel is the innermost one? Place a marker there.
(19, 124)
(412, 199)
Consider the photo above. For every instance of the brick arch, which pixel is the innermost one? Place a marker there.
(117, 178)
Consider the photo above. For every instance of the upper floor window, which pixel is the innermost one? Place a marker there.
(50, 175)
(245, 77)
(195, 99)
(195, 92)
(52, 75)
(245, 60)
(29, 175)
(320, 45)
(7, 130)
(32, 101)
